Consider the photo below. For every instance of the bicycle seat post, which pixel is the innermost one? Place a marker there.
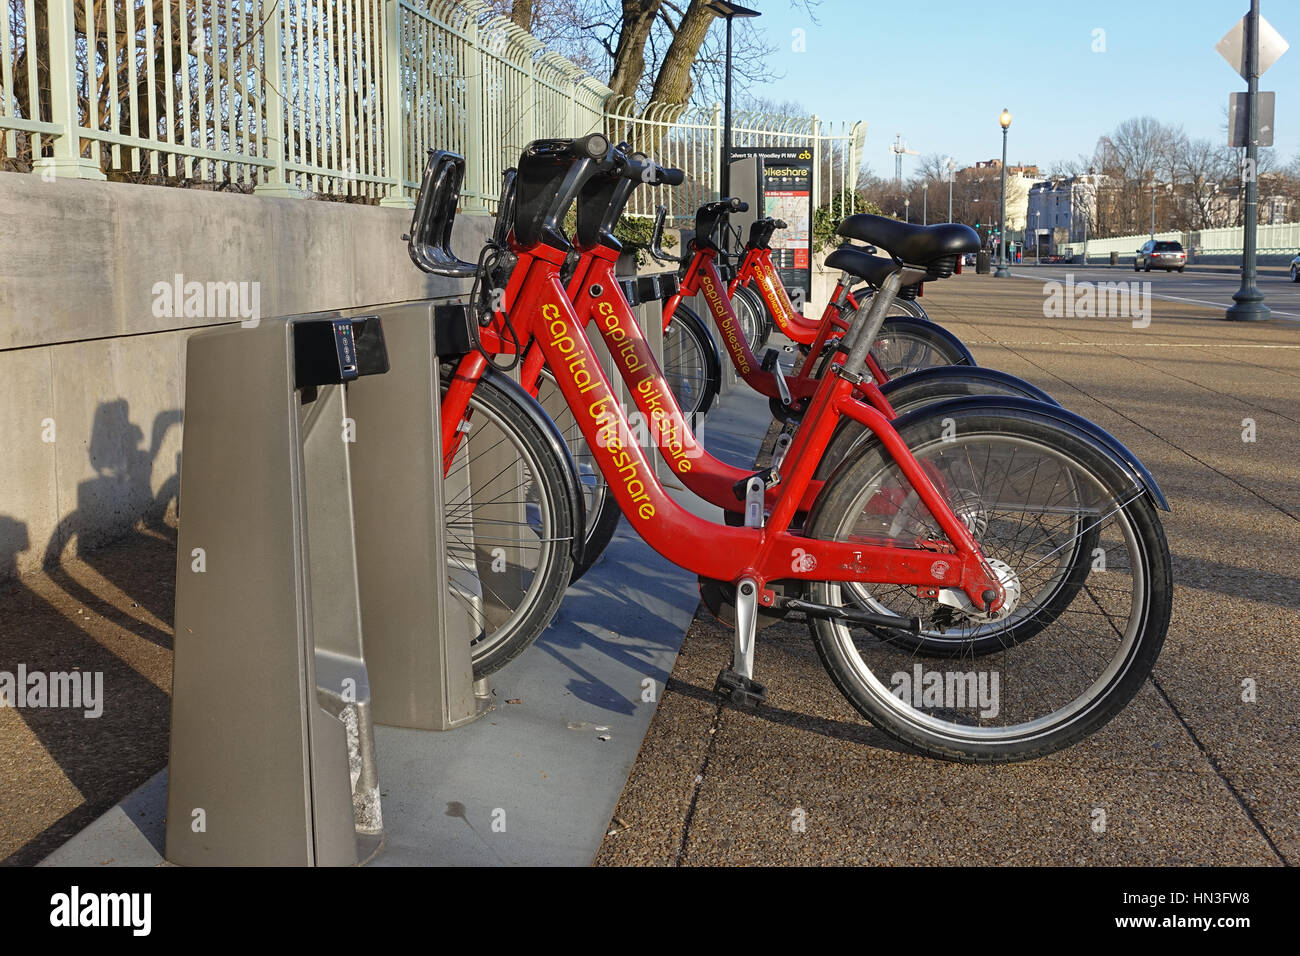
(865, 329)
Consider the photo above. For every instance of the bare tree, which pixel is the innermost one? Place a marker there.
(629, 55)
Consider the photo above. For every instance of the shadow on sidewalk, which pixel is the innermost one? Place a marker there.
(103, 608)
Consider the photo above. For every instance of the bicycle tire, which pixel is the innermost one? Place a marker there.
(926, 387)
(752, 316)
(483, 534)
(898, 307)
(936, 727)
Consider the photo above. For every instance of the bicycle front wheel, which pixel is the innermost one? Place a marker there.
(691, 364)
(1081, 555)
(751, 315)
(601, 508)
(511, 517)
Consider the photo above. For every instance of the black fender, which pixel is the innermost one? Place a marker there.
(941, 372)
(1088, 431)
(712, 358)
(534, 412)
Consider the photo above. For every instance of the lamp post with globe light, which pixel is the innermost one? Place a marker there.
(1002, 271)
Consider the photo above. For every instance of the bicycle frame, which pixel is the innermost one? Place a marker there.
(545, 318)
(702, 274)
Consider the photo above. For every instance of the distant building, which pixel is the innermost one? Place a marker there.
(1061, 211)
(995, 165)
(1019, 181)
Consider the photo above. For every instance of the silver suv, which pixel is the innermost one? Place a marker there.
(1161, 254)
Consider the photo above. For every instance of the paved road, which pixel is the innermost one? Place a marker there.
(1210, 285)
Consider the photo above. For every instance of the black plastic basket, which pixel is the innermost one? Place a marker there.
(429, 241)
(506, 207)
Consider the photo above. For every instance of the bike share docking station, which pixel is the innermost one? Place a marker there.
(311, 591)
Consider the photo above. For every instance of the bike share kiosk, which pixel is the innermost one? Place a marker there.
(312, 582)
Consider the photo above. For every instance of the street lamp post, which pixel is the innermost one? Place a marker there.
(925, 204)
(951, 167)
(907, 209)
(1002, 271)
(729, 11)
(1248, 301)
(1038, 237)
(1153, 205)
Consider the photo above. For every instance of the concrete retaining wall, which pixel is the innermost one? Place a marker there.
(92, 346)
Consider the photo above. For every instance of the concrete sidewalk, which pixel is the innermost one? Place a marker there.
(1187, 774)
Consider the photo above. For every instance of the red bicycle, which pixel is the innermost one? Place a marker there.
(954, 533)
(603, 302)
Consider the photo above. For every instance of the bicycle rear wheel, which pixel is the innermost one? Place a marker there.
(906, 344)
(512, 512)
(918, 389)
(1080, 551)
(898, 307)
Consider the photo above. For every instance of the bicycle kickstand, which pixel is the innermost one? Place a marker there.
(737, 684)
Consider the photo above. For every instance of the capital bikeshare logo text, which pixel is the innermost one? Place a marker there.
(208, 300)
(774, 295)
(25, 689)
(726, 320)
(1100, 300)
(611, 431)
(666, 424)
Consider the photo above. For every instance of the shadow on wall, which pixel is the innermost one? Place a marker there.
(102, 606)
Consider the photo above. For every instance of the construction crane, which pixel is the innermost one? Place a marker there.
(899, 149)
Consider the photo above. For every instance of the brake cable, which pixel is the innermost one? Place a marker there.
(489, 259)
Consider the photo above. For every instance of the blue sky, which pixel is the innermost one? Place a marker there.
(940, 71)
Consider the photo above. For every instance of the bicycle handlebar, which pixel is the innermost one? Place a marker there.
(723, 206)
(637, 167)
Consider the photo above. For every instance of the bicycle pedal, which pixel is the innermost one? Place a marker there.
(740, 690)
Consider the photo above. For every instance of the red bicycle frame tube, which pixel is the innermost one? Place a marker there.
(543, 313)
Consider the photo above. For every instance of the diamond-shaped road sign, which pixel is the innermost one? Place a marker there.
(1233, 46)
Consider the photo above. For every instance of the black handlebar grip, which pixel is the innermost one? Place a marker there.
(671, 177)
(781, 224)
(739, 205)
